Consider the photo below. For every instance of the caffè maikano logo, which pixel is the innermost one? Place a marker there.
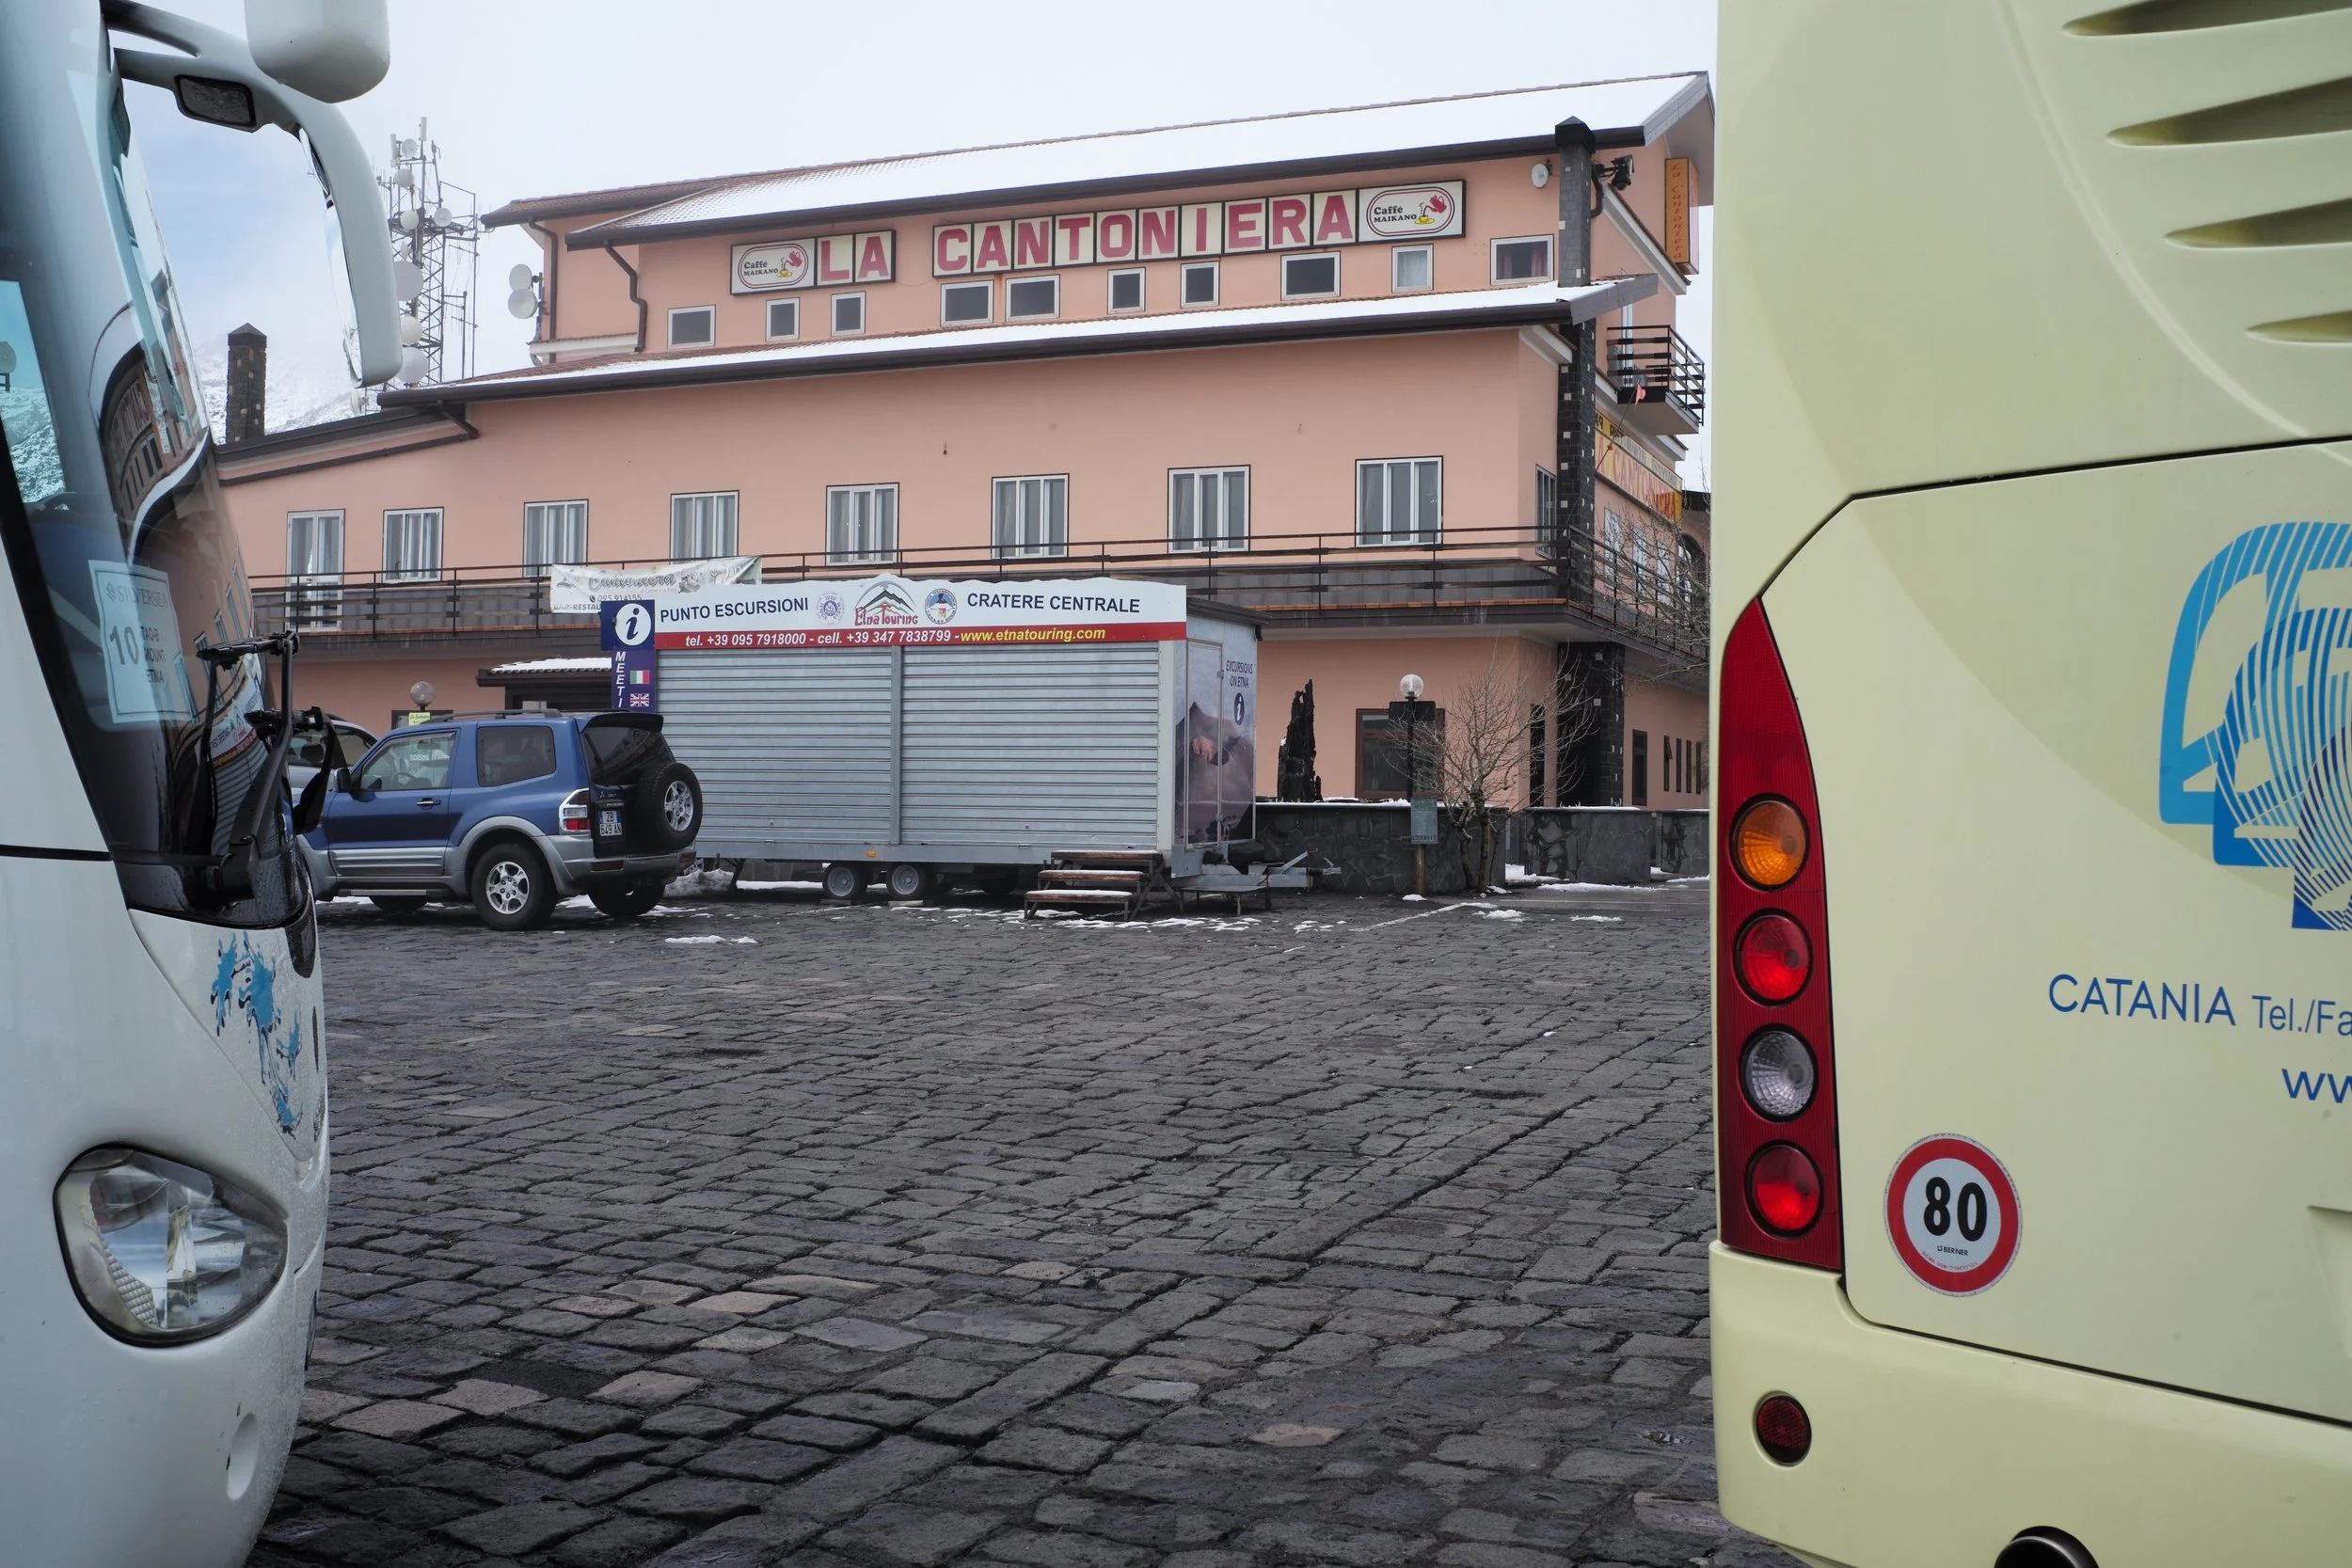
(1432, 210)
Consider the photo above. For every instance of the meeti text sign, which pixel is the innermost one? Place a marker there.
(1309, 220)
(892, 611)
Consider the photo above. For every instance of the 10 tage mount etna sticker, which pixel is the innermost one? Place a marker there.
(1951, 1211)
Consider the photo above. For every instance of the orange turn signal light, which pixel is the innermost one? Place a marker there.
(1769, 842)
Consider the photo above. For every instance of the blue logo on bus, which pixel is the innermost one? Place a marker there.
(2258, 712)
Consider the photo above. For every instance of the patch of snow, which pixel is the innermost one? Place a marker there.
(1503, 915)
(1415, 898)
(779, 887)
(1598, 887)
(1604, 919)
(709, 942)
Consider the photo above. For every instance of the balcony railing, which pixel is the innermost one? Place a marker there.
(1653, 369)
(1465, 573)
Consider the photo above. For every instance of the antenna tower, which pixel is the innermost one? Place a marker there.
(436, 231)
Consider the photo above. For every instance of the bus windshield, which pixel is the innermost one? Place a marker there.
(117, 541)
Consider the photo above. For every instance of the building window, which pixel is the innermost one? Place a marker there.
(1383, 744)
(701, 526)
(1517, 260)
(783, 320)
(555, 533)
(1610, 568)
(314, 555)
(848, 315)
(412, 546)
(1030, 298)
(1127, 289)
(1031, 515)
(860, 523)
(962, 304)
(1546, 506)
(1199, 280)
(694, 327)
(1412, 268)
(1310, 276)
(1399, 500)
(314, 546)
(1640, 767)
(1208, 509)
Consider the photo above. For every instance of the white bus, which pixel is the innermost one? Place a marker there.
(163, 1104)
(2034, 639)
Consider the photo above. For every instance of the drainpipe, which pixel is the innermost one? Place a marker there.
(635, 298)
(1572, 530)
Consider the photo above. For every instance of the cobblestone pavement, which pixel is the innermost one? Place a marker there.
(766, 1231)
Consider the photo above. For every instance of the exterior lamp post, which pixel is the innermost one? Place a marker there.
(1423, 820)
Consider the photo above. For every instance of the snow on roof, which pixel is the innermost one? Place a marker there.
(1531, 303)
(597, 665)
(1636, 111)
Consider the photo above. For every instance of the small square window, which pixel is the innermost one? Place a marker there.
(1310, 276)
(962, 304)
(849, 314)
(1201, 283)
(1127, 290)
(1411, 268)
(693, 327)
(1028, 298)
(1517, 260)
(784, 319)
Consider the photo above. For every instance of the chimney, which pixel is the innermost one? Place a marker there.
(248, 378)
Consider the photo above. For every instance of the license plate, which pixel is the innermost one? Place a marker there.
(609, 824)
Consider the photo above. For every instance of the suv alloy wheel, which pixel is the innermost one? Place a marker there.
(512, 891)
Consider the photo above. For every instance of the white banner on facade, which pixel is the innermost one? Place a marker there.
(577, 590)
(891, 612)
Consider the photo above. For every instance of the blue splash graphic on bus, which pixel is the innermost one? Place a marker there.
(2257, 739)
(246, 982)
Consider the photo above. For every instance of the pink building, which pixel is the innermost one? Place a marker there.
(1401, 382)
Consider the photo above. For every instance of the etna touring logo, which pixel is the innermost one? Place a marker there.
(2257, 741)
(888, 603)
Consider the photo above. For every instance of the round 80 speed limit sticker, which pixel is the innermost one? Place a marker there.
(1951, 1211)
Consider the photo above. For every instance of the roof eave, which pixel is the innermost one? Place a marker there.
(1608, 295)
(624, 230)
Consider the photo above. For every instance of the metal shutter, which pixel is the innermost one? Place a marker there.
(787, 745)
(1054, 748)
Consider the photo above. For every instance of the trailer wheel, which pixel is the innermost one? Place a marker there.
(844, 881)
(909, 881)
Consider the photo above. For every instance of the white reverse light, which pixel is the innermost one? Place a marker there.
(1777, 1074)
(161, 1251)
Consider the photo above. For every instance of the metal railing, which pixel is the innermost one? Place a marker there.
(1652, 364)
(1466, 574)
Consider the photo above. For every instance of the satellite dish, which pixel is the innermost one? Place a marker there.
(407, 278)
(8, 360)
(522, 305)
(405, 177)
(407, 219)
(440, 213)
(412, 366)
(520, 276)
(408, 148)
(410, 328)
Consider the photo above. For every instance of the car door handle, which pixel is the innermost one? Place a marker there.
(425, 800)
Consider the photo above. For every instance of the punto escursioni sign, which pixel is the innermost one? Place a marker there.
(1309, 220)
(830, 260)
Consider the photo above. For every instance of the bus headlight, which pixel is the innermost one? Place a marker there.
(161, 1251)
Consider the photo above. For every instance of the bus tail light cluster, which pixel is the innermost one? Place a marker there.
(1776, 1104)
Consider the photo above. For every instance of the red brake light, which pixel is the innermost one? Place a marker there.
(1777, 1182)
(1773, 958)
(1785, 1188)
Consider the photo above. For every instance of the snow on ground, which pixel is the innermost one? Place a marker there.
(708, 942)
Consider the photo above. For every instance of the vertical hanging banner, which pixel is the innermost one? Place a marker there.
(1682, 178)
(627, 630)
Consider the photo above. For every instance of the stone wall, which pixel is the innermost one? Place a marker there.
(1369, 844)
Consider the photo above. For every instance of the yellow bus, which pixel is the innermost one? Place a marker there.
(2033, 944)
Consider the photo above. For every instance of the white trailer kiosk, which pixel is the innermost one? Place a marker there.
(898, 731)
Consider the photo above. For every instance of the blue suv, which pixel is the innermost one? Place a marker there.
(510, 813)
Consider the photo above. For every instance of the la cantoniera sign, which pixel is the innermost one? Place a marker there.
(892, 612)
(1430, 209)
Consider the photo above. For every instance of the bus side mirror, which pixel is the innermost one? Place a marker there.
(330, 50)
(222, 76)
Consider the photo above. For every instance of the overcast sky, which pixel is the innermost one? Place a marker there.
(533, 100)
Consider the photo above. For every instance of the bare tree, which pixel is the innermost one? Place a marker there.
(1469, 757)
